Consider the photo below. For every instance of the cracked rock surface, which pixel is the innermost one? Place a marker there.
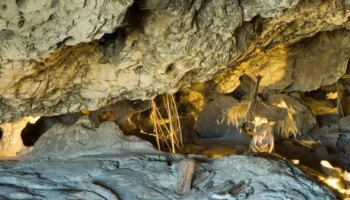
(56, 58)
(34, 28)
(152, 177)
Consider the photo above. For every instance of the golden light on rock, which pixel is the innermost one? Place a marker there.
(336, 184)
(333, 183)
(332, 95)
(11, 142)
(272, 65)
(85, 112)
(295, 161)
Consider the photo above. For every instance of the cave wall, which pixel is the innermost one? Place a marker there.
(59, 57)
(304, 66)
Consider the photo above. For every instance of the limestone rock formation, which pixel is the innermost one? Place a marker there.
(304, 66)
(32, 28)
(53, 59)
(154, 177)
(82, 139)
(11, 142)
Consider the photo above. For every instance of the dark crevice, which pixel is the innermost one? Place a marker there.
(348, 67)
(170, 69)
(316, 94)
(0, 133)
(113, 43)
(19, 2)
(132, 21)
(31, 133)
(62, 43)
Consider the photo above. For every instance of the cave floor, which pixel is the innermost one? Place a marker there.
(220, 147)
(154, 176)
(307, 158)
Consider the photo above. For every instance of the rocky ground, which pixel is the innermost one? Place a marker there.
(154, 176)
(81, 162)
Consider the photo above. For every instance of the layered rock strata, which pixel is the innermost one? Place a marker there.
(53, 60)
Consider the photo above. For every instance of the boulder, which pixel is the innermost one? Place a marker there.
(343, 142)
(32, 131)
(324, 136)
(344, 123)
(301, 114)
(209, 124)
(119, 112)
(82, 139)
(323, 109)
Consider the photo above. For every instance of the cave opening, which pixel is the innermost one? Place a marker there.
(1, 133)
(32, 131)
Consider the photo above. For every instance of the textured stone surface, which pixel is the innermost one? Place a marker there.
(265, 8)
(210, 123)
(344, 123)
(81, 139)
(33, 28)
(151, 177)
(11, 142)
(304, 66)
(158, 47)
(301, 114)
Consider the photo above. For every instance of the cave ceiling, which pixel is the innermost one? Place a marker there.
(63, 56)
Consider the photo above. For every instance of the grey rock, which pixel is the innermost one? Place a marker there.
(33, 28)
(343, 142)
(210, 124)
(344, 123)
(326, 138)
(251, 8)
(320, 53)
(135, 177)
(82, 139)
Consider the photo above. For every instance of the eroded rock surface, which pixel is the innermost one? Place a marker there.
(11, 142)
(33, 28)
(151, 177)
(82, 139)
(159, 46)
(304, 66)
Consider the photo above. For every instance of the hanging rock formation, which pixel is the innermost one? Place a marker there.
(59, 57)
